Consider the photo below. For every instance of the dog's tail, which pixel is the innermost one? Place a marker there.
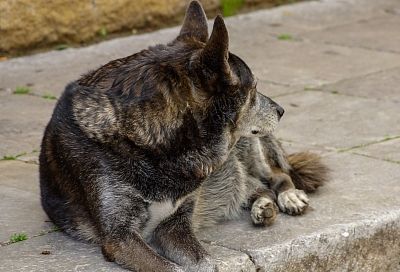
(308, 172)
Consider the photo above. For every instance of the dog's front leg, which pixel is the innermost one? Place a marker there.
(132, 252)
(175, 239)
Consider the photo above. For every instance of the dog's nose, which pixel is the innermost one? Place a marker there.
(280, 111)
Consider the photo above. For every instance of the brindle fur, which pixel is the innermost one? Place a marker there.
(147, 148)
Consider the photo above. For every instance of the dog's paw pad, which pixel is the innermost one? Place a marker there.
(293, 201)
(264, 211)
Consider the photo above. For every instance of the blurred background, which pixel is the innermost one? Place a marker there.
(28, 26)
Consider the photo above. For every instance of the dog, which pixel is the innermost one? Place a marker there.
(146, 149)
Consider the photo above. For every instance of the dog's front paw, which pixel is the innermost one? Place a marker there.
(264, 211)
(293, 201)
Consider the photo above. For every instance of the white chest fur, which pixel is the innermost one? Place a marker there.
(158, 212)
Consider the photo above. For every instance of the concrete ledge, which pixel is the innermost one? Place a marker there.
(366, 245)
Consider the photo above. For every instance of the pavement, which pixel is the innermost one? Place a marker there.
(335, 68)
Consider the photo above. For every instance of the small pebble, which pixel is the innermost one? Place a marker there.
(345, 234)
(46, 252)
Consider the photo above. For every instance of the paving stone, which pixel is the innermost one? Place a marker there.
(387, 150)
(32, 157)
(301, 17)
(66, 254)
(273, 90)
(48, 73)
(20, 206)
(383, 85)
(22, 122)
(293, 147)
(306, 63)
(381, 33)
(338, 121)
(230, 260)
(348, 221)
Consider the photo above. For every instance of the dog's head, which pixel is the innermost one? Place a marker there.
(166, 93)
(217, 73)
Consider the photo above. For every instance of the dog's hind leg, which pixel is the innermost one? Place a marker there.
(175, 239)
(290, 200)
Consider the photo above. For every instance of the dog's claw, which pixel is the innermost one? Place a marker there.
(293, 201)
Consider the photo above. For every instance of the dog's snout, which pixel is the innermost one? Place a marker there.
(278, 108)
(280, 111)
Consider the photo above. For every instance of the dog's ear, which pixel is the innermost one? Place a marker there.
(195, 23)
(215, 54)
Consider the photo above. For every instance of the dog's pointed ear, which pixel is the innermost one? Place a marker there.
(195, 23)
(216, 52)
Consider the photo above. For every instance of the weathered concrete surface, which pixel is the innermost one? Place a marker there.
(57, 252)
(388, 149)
(65, 254)
(342, 100)
(364, 34)
(382, 85)
(22, 121)
(350, 220)
(337, 121)
(20, 201)
(306, 62)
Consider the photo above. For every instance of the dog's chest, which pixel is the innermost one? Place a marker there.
(158, 211)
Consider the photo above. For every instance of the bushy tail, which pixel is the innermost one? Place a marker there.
(308, 171)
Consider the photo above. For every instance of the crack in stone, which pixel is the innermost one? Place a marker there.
(42, 233)
(213, 243)
(361, 47)
(376, 158)
(368, 144)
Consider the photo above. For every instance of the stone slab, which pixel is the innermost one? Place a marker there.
(347, 213)
(383, 85)
(20, 206)
(379, 33)
(311, 64)
(299, 18)
(386, 150)
(336, 121)
(230, 260)
(48, 73)
(22, 122)
(274, 90)
(32, 157)
(66, 254)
